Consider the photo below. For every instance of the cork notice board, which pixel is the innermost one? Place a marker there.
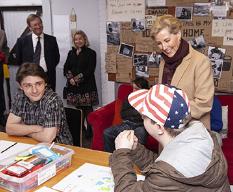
(206, 31)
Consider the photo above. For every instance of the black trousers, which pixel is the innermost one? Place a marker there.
(86, 110)
(73, 117)
(111, 133)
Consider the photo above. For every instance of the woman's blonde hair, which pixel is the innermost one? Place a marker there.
(165, 21)
(83, 34)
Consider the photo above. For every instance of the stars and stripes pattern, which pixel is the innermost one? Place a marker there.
(167, 106)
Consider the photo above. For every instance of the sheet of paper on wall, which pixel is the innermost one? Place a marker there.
(153, 3)
(150, 19)
(124, 10)
(221, 26)
(161, 10)
(228, 36)
(219, 11)
(89, 177)
(198, 26)
(6, 152)
(110, 66)
(228, 40)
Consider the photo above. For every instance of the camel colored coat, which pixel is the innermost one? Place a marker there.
(194, 76)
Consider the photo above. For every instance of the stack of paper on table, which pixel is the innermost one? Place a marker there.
(17, 148)
(89, 177)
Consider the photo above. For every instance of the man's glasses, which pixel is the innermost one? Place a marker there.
(36, 85)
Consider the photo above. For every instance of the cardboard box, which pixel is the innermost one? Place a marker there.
(200, 25)
(182, 3)
(153, 71)
(127, 36)
(124, 77)
(110, 63)
(163, 10)
(111, 76)
(152, 80)
(224, 86)
(123, 61)
(125, 25)
(145, 45)
(112, 49)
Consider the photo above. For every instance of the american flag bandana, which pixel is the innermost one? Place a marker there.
(166, 105)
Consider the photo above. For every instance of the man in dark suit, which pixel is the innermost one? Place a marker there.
(39, 48)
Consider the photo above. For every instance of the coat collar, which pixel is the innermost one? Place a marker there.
(182, 68)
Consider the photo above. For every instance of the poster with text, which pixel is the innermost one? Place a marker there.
(125, 10)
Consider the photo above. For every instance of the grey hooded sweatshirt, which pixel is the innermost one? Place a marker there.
(192, 162)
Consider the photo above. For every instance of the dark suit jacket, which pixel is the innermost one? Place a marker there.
(24, 53)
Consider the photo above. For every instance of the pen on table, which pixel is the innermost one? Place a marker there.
(50, 147)
(9, 147)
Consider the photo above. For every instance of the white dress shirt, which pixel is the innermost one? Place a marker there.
(42, 59)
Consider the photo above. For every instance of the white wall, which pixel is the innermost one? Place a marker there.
(88, 21)
(108, 87)
(91, 17)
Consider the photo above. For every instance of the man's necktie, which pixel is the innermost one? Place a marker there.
(36, 56)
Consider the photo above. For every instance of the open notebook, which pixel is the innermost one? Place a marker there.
(89, 177)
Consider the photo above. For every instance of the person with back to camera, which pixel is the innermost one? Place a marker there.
(131, 120)
(79, 69)
(191, 159)
(37, 111)
(184, 67)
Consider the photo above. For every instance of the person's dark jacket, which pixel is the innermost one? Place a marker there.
(129, 113)
(83, 67)
(24, 53)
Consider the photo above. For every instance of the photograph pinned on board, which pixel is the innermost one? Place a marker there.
(149, 21)
(216, 56)
(201, 9)
(113, 39)
(113, 33)
(138, 25)
(126, 50)
(140, 62)
(198, 42)
(154, 60)
(217, 2)
(184, 13)
(216, 53)
(217, 68)
(227, 63)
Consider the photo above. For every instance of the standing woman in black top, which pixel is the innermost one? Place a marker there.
(79, 70)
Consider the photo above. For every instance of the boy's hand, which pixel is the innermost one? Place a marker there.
(135, 142)
(125, 140)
